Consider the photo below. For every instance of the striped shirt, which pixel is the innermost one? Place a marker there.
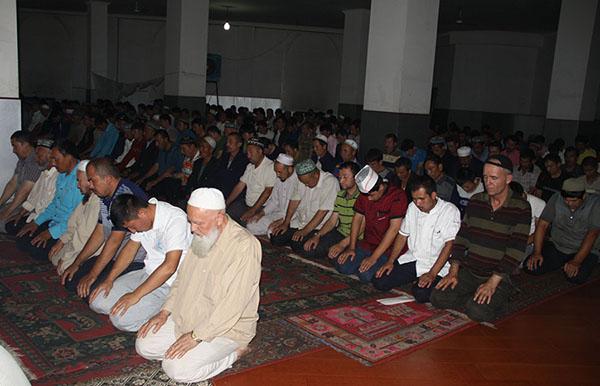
(345, 210)
(495, 241)
(188, 166)
(27, 170)
(123, 187)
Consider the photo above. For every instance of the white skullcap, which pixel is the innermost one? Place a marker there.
(207, 198)
(464, 151)
(69, 111)
(321, 138)
(366, 179)
(156, 117)
(45, 106)
(285, 159)
(351, 143)
(210, 140)
(82, 165)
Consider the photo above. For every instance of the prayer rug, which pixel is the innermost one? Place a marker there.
(373, 333)
(60, 340)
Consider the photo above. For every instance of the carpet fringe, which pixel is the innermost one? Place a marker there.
(330, 345)
(16, 354)
(333, 270)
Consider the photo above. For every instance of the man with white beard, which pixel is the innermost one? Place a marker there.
(210, 314)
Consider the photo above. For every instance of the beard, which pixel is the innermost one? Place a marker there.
(201, 245)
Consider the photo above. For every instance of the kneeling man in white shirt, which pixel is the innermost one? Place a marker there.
(428, 230)
(164, 232)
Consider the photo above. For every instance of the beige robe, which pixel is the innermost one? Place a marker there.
(218, 295)
(82, 223)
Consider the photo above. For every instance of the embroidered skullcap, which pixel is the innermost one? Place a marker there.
(210, 140)
(573, 185)
(366, 179)
(321, 138)
(305, 167)
(151, 125)
(351, 143)
(187, 141)
(437, 141)
(501, 161)
(464, 151)
(207, 198)
(256, 142)
(285, 159)
(82, 165)
(45, 142)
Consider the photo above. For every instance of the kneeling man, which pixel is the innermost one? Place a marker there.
(428, 229)
(163, 231)
(211, 312)
(488, 248)
(574, 245)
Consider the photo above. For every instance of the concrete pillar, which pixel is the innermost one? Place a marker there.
(399, 73)
(575, 83)
(354, 62)
(98, 24)
(10, 104)
(186, 49)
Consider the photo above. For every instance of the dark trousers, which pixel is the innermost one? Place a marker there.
(285, 239)
(37, 252)
(142, 184)
(462, 296)
(403, 274)
(321, 251)
(86, 267)
(351, 267)
(555, 259)
(169, 189)
(13, 228)
(237, 209)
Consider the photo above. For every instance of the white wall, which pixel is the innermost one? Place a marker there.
(491, 71)
(10, 106)
(53, 57)
(484, 75)
(300, 66)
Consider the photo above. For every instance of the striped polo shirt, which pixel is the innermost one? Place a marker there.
(345, 210)
(495, 241)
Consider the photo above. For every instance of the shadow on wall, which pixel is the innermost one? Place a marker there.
(47, 55)
(311, 73)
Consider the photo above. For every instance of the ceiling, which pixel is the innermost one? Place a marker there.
(505, 15)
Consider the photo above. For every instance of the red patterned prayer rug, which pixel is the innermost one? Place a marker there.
(373, 333)
(62, 341)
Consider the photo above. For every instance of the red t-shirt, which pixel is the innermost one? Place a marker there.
(378, 214)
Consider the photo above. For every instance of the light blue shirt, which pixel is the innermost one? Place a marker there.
(417, 158)
(106, 142)
(65, 200)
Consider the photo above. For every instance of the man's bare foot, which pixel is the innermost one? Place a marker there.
(241, 352)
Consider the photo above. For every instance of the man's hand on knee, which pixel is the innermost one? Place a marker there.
(485, 291)
(181, 346)
(105, 286)
(154, 324)
(535, 261)
(85, 283)
(124, 303)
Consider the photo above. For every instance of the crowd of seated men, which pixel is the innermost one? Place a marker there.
(148, 212)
